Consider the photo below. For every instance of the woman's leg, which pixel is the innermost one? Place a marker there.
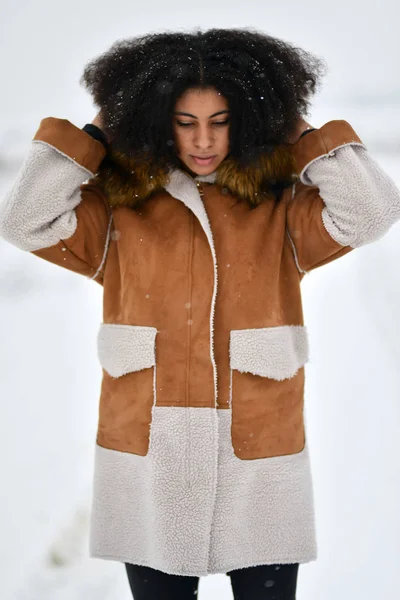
(150, 584)
(265, 582)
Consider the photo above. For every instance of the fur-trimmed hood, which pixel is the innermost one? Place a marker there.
(128, 181)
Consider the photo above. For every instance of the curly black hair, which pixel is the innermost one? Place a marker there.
(267, 82)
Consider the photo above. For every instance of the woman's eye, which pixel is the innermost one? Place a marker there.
(182, 124)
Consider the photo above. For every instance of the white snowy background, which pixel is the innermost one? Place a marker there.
(49, 374)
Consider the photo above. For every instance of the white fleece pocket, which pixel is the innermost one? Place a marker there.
(126, 348)
(267, 390)
(273, 352)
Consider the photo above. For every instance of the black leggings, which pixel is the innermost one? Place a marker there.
(265, 582)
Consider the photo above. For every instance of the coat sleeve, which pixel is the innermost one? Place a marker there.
(51, 210)
(342, 200)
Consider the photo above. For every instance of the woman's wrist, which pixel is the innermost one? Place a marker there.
(96, 133)
(308, 130)
(302, 127)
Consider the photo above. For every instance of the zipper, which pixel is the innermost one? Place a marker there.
(189, 349)
(215, 440)
(200, 188)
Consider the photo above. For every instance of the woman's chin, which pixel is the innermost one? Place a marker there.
(203, 171)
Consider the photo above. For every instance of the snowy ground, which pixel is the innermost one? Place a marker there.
(49, 386)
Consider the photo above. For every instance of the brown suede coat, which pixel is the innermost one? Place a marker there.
(158, 272)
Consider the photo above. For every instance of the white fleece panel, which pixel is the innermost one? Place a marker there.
(191, 507)
(38, 211)
(274, 352)
(210, 177)
(125, 348)
(362, 201)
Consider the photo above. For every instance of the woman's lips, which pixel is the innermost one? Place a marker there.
(203, 161)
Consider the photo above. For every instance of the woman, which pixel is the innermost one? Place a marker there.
(199, 198)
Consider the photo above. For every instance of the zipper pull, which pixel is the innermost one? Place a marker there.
(200, 188)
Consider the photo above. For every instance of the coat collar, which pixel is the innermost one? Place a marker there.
(128, 181)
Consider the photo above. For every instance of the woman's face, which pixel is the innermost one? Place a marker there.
(201, 128)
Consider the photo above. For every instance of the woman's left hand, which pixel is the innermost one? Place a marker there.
(302, 126)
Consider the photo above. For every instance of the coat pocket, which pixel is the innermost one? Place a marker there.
(127, 354)
(267, 390)
(126, 348)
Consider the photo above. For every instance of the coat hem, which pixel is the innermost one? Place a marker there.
(223, 571)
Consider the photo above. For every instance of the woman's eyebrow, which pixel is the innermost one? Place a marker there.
(194, 116)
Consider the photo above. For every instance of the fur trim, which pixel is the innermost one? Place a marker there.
(129, 181)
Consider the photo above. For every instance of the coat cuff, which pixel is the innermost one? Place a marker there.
(71, 141)
(322, 142)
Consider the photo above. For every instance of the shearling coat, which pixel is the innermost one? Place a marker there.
(201, 461)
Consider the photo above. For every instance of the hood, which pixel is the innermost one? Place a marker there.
(129, 181)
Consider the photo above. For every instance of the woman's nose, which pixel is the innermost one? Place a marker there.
(203, 139)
